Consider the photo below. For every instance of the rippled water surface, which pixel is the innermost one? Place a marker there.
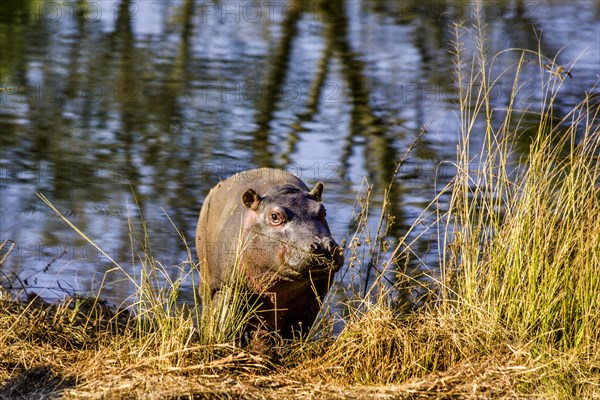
(103, 99)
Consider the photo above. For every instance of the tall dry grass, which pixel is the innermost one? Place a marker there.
(519, 276)
(523, 230)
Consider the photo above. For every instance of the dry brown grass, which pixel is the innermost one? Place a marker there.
(83, 349)
(49, 351)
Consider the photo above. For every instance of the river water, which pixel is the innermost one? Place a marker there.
(102, 100)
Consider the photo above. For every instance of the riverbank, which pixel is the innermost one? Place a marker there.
(84, 350)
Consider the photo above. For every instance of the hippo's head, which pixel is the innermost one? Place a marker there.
(289, 237)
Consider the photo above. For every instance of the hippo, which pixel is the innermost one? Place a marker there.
(277, 227)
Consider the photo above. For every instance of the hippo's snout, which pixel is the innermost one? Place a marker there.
(327, 253)
(322, 246)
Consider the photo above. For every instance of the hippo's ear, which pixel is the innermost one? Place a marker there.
(251, 199)
(317, 191)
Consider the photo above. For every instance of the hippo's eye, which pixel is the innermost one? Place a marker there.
(276, 218)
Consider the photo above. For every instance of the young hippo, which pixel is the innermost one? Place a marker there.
(276, 226)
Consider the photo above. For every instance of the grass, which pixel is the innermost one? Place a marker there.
(518, 288)
(514, 308)
(512, 311)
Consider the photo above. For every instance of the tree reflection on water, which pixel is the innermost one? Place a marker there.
(163, 99)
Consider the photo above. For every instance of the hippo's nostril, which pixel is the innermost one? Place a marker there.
(313, 247)
(330, 244)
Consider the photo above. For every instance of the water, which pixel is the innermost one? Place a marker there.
(165, 98)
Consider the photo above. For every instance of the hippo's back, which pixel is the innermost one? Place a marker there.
(220, 221)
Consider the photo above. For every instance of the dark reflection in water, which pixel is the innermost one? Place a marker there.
(164, 98)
